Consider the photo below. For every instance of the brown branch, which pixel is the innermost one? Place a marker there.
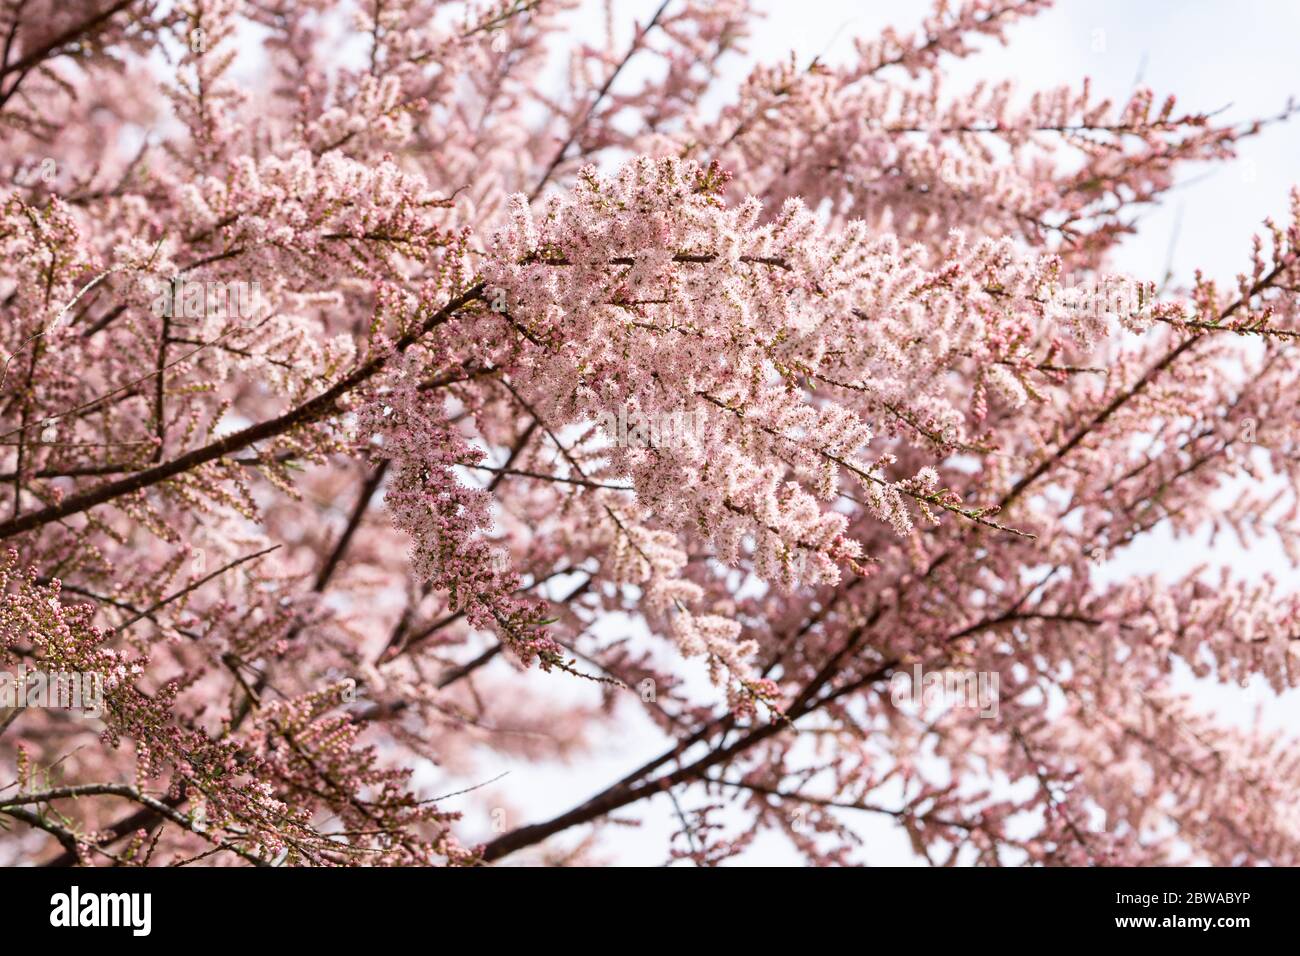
(149, 612)
(25, 63)
(1125, 396)
(578, 127)
(322, 405)
(354, 521)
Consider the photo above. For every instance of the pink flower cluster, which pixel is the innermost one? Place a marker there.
(337, 553)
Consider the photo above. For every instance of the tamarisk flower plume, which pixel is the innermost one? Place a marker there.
(336, 548)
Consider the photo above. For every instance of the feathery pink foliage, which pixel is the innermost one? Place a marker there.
(323, 327)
